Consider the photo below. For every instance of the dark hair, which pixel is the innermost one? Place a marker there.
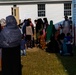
(28, 22)
(35, 20)
(45, 20)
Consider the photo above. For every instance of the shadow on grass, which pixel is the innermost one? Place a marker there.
(69, 62)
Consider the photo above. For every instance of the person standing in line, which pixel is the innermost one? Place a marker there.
(10, 43)
(29, 34)
(32, 41)
(24, 27)
(66, 25)
(36, 31)
(2, 25)
(49, 31)
(39, 27)
(45, 25)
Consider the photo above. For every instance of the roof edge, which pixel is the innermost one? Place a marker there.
(31, 2)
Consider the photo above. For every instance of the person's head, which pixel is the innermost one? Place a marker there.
(35, 21)
(66, 17)
(24, 20)
(51, 22)
(39, 21)
(28, 22)
(11, 22)
(45, 20)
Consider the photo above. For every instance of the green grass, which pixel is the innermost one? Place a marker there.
(39, 62)
(69, 62)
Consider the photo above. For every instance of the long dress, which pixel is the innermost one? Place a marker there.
(49, 31)
(11, 64)
(10, 38)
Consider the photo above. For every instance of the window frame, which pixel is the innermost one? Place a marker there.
(41, 10)
(67, 9)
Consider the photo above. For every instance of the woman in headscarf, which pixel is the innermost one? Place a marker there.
(39, 28)
(10, 38)
(49, 31)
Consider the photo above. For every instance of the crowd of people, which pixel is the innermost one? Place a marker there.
(15, 39)
(48, 38)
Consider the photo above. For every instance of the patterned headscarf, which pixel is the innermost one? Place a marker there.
(11, 22)
(10, 36)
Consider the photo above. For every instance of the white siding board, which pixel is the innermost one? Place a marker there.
(5, 10)
(55, 12)
(28, 11)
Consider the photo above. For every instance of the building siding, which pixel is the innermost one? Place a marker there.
(28, 11)
(5, 10)
(54, 12)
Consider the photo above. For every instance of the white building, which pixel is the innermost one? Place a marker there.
(34, 9)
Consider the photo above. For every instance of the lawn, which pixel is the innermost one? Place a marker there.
(39, 62)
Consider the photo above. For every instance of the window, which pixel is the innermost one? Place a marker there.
(67, 9)
(14, 12)
(41, 10)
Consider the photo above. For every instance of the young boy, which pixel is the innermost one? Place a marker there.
(69, 45)
(23, 46)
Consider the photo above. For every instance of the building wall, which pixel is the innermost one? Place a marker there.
(5, 10)
(28, 11)
(54, 12)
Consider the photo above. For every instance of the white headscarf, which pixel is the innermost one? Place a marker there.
(3, 22)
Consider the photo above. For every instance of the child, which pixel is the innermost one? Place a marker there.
(23, 45)
(63, 40)
(69, 45)
(66, 45)
(42, 40)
